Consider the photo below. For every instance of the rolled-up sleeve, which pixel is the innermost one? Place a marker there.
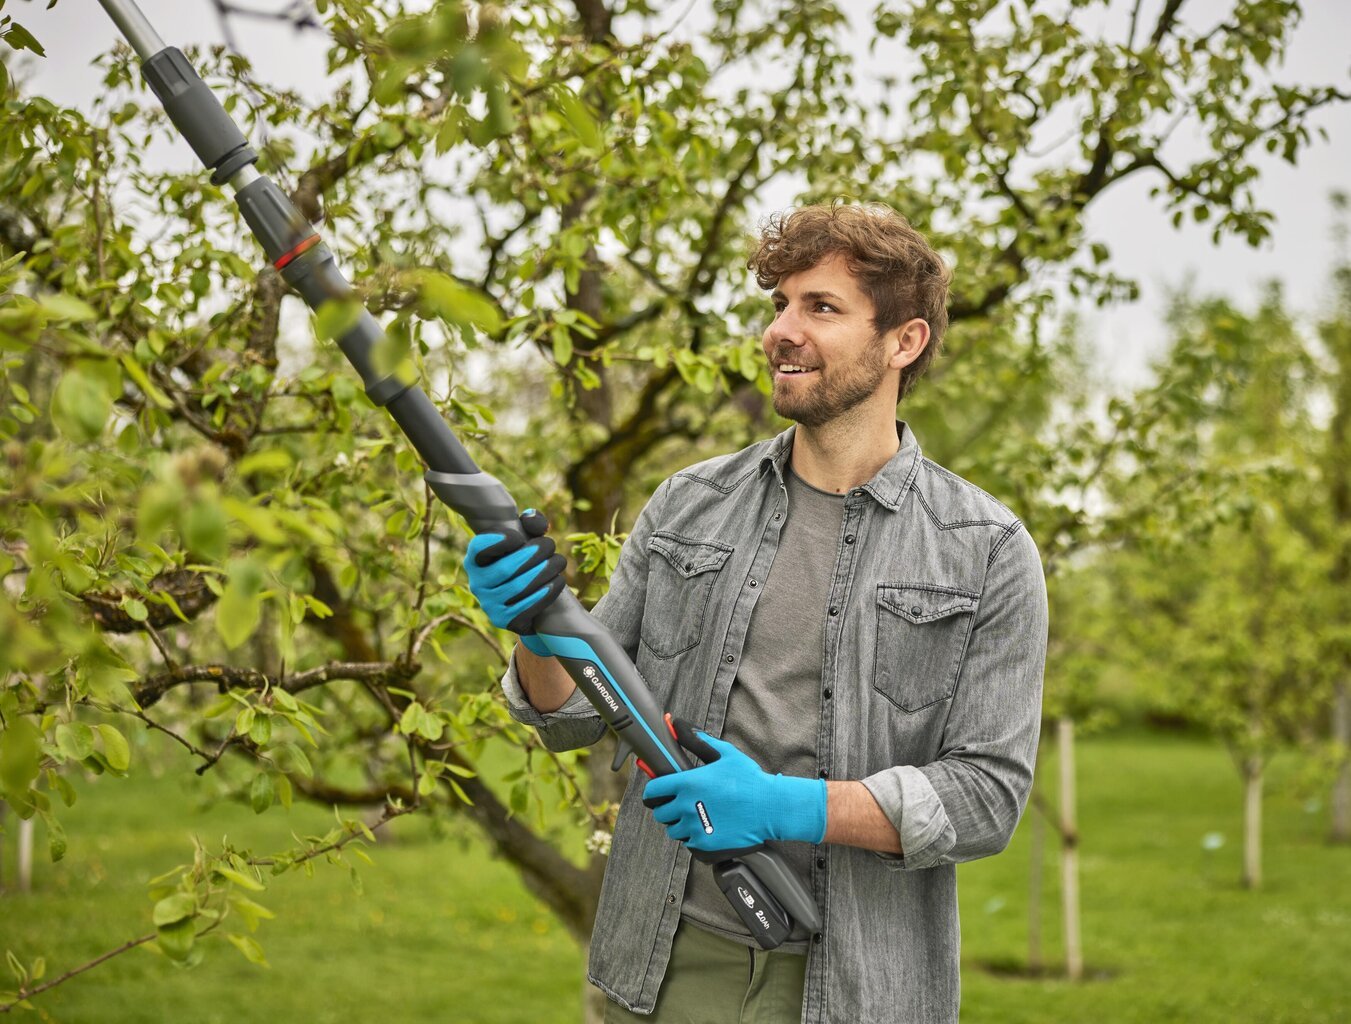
(966, 804)
(577, 723)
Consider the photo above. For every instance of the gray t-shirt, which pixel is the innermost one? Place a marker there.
(774, 707)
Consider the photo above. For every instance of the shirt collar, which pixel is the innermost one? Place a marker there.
(888, 486)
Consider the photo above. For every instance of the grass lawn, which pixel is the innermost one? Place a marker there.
(445, 933)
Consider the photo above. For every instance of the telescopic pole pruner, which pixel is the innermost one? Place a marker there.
(769, 898)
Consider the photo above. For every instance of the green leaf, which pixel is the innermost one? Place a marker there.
(442, 296)
(273, 460)
(408, 721)
(67, 307)
(143, 381)
(253, 952)
(578, 117)
(336, 317)
(80, 405)
(179, 907)
(21, 39)
(62, 785)
(562, 344)
(16, 967)
(20, 756)
(238, 878)
(244, 721)
(261, 729)
(240, 607)
(75, 740)
(251, 912)
(175, 940)
(261, 792)
(115, 747)
(204, 530)
(135, 609)
(56, 836)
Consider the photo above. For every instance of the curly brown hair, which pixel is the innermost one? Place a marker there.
(896, 267)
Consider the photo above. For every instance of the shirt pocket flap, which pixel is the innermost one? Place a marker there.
(925, 603)
(688, 557)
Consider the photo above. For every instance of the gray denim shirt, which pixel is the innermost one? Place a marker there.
(930, 695)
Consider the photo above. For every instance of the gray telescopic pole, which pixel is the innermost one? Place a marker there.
(134, 26)
(771, 900)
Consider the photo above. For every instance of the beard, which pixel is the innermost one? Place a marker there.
(831, 393)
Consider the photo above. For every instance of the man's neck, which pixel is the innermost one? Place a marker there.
(846, 452)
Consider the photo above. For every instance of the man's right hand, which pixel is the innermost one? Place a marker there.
(514, 579)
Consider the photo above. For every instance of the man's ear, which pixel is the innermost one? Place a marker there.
(908, 342)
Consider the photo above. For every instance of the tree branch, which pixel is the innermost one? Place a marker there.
(227, 677)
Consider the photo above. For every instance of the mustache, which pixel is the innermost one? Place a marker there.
(789, 355)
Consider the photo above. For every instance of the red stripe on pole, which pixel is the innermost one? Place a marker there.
(309, 243)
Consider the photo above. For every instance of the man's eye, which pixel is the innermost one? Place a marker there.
(826, 307)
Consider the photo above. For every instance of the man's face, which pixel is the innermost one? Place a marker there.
(824, 355)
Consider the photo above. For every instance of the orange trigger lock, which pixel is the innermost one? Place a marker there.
(645, 769)
(671, 726)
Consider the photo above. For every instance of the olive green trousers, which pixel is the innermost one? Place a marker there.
(712, 980)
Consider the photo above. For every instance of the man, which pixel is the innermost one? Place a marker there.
(830, 606)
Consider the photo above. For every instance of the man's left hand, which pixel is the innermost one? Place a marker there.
(730, 803)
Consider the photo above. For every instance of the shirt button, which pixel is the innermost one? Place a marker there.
(849, 539)
(817, 938)
(917, 610)
(858, 494)
(823, 773)
(828, 693)
(755, 583)
(689, 566)
(778, 516)
(730, 659)
(834, 611)
(670, 897)
(820, 862)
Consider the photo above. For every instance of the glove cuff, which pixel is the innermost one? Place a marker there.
(535, 645)
(802, 809)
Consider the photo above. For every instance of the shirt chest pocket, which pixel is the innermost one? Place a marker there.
(922, 630)
(681, 573)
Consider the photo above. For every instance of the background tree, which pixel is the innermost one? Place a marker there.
(547, 205)
(1229, 619)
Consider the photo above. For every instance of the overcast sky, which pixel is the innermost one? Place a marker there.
(1143, 243)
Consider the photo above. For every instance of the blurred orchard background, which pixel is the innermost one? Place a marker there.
(252, 754)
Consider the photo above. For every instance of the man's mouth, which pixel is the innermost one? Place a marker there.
(792, 370)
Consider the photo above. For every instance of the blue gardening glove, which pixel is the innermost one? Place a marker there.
(514, 579)
(730, 803)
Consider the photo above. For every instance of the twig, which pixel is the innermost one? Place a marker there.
(230, 739)
(163, 649)
(27, 993)
(427, 518)
(390, 813)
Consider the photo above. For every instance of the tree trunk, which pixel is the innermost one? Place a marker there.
(1253, 766)
(1339, 830)
(25, 855)
(1036, 865)
(1035, 857)
(1069, 852)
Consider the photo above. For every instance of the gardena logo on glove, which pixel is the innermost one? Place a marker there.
(703, 817)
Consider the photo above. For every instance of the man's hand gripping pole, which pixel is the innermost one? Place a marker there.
(771, 900)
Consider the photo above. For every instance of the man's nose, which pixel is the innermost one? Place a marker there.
(787, 326)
